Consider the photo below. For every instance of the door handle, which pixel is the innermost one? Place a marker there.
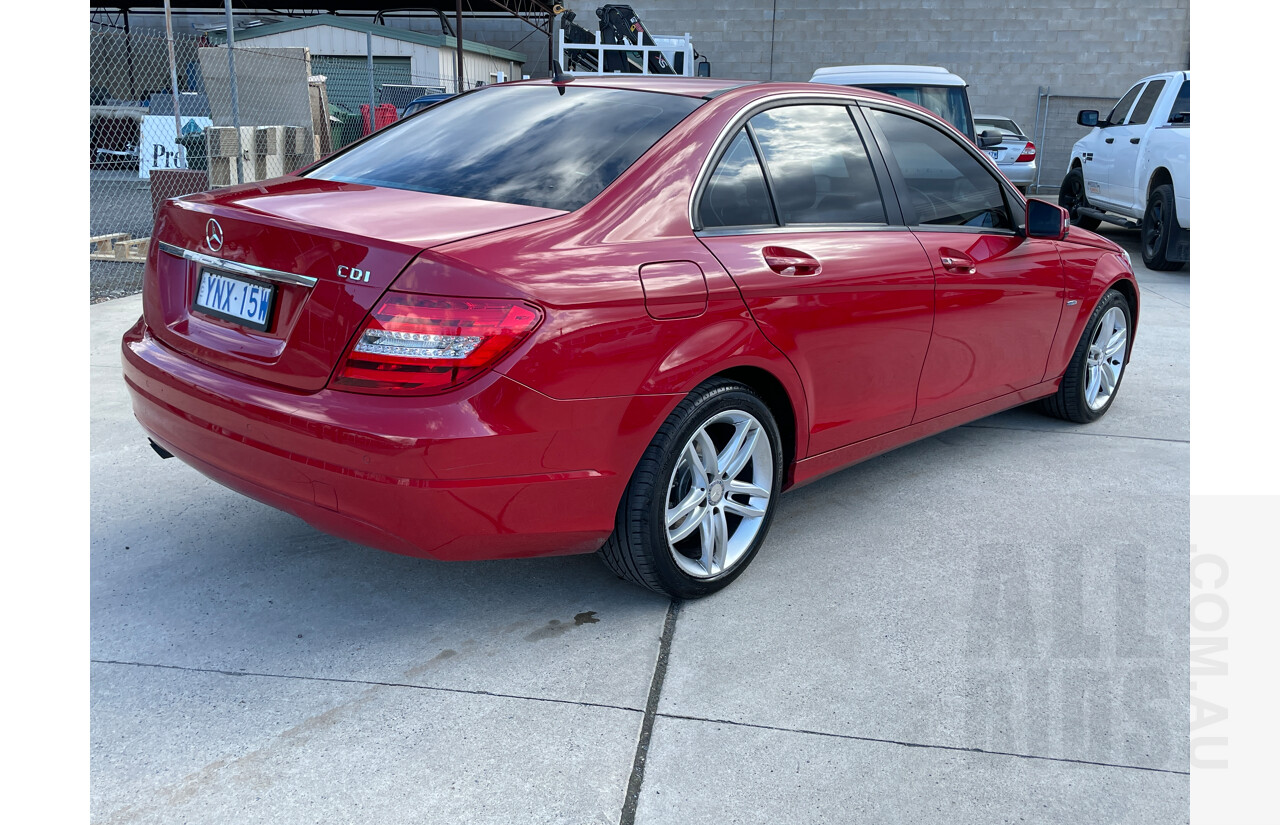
(792, 262)
(956, 261)
(1111, 140)
(1135, 140)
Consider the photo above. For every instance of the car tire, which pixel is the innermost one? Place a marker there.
(727, 510)
(1071, 196)
(1157, 228)
(1092, 380)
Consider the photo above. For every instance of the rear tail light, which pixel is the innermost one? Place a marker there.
(421, 345)
(1028, 153)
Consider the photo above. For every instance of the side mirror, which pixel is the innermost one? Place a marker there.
(1087, 117)
(1046, 220)
(704, 68)
(990, 138)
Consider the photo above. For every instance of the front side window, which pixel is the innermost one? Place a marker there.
(1122, 108)
(945, 184)
(1146, 103)
(548, 146)
(818, 166)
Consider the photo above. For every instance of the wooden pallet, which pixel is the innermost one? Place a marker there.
(118, 246)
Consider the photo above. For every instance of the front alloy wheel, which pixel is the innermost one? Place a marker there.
(1092, 379)
(1105, 361)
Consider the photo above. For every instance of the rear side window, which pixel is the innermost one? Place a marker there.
(945, 184)
(736, 194)
(1181, 103)
(548, 146)
(1147, 102)
(818, 166)
(1122, 108)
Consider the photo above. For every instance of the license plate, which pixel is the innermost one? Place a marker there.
(235, 299)
(995, 155)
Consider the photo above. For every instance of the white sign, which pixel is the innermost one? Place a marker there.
(157, 148)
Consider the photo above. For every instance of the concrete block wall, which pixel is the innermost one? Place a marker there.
(1005, 49)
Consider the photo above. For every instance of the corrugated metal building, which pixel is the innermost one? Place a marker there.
(340, 45)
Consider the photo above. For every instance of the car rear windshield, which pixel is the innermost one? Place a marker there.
(548, 146)
(1005, 125)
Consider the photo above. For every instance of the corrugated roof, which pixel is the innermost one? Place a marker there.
(352, 24)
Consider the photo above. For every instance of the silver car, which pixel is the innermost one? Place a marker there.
(1016, 156)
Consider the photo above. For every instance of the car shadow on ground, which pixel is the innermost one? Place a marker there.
(203, 578)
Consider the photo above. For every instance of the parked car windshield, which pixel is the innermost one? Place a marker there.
(949, 102)
(548, 146)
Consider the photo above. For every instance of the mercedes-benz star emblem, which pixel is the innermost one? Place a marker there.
(213, 235)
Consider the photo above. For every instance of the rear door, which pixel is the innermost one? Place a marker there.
(794, 212)
(999, 294)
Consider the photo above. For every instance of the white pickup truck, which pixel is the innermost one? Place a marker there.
(1134, 168)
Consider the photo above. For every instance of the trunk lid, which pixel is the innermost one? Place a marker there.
(343, 243)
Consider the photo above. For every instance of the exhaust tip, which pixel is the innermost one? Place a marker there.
(160, 451)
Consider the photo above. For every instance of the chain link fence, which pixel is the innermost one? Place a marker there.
(240, 115)
(1056, 132)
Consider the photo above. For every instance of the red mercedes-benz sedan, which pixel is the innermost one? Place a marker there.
(615, 314)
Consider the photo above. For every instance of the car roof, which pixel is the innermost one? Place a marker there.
(713, 87)
(887, 73)
(732, 92)
(665, 84)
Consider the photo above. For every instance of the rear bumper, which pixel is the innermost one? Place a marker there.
(1019, 174)
(492, 470)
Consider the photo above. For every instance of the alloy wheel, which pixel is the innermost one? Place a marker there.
(1105, 361)
(718, 495)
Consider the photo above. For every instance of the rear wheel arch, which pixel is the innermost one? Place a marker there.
(775, 395)
(1160, 177)
(788, 411)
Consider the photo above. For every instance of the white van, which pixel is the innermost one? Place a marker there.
(932, 87)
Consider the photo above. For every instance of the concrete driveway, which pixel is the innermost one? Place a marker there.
(986, 626)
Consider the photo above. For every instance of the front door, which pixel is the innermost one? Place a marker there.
(1122, 183)
(1100, 172)
(999, 294)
